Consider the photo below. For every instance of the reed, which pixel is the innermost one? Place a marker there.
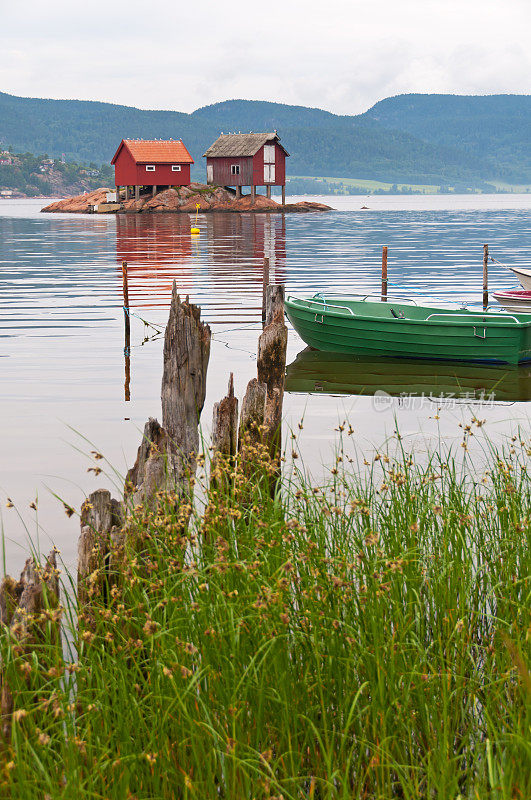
(367, 638)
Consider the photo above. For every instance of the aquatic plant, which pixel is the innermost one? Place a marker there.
(364, 638)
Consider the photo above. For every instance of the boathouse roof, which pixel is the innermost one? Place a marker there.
(241, 144)
(156, 151)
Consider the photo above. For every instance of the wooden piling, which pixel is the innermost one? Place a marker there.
(25, 607)
(100, 514)
(271, 366)
(384, 273)
(224, 432)
(485, 275)
(125, 289)
(274, 303)
(150, 472)
(252, 417)
(186, 356)
(127, 333)
(265, 284)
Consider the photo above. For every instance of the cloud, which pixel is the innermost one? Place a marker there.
(342, 55)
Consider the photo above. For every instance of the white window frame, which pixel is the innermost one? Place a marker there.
(150, 167)
(210, 173)
(234, 169)
(269, 153)
(269, 173)
(175, 167)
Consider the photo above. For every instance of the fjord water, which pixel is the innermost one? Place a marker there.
(62, 350)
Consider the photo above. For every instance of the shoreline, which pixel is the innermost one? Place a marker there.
(182, 200)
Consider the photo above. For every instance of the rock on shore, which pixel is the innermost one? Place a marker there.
(80, 203)
(184, 199)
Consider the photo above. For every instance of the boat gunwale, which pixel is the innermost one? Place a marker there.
(497, 319)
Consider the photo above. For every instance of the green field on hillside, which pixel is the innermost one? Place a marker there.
(332, 185)
(369, 186)
(511, 187)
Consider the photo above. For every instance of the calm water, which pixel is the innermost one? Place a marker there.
(61, 331)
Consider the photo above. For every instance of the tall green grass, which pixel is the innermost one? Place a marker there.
(364, 639)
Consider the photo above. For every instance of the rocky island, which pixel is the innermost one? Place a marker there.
(183, 199)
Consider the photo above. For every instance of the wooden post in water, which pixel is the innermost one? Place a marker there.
(224, 437)
(29, 608)
(186, 355)
(127, 329)
(384, 273)
(100, 513)
(485, 275)
(271, 365)
(274, 303)
(265, 284)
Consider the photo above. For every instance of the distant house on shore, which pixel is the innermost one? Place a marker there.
(153, 165)
(247, 159)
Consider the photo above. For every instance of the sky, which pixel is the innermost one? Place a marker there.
(340, 55)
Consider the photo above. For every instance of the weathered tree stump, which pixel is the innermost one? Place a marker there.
(253, 451)
(22, 604)
(271, 365)
(252, 417)
(100, 514)
(8, 599)
(151, 472)
(224, 436)
(186, 355)
(274, 303)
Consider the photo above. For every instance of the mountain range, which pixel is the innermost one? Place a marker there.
(447, 140)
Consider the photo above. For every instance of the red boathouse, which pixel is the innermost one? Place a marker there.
(247, 159)
(154, 165)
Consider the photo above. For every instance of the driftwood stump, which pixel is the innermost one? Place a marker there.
(166, 458)
(274, 304)
(186, 355)
(100, 516)
(150, 473)
(271, 365)
(252, 418)
(22, 607)
(224, 436)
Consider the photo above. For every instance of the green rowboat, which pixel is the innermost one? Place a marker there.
(401, 328)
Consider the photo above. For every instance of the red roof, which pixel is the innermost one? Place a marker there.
(156, 152)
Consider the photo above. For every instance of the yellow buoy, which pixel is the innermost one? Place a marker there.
(196, 230)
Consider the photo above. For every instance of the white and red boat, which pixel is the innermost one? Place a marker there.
(515, 299)
(524, 276)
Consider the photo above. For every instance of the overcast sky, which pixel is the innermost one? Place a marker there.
(341, 55)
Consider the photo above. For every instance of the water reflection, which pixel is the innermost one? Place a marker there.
(228, 255)
(334, 373)
(158, 251)
(62, 328)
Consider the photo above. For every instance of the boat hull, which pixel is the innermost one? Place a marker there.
(524, 276)
(459, 337)
(516, 300)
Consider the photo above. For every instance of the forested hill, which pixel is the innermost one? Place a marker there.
(495, 129)
(422, 139)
